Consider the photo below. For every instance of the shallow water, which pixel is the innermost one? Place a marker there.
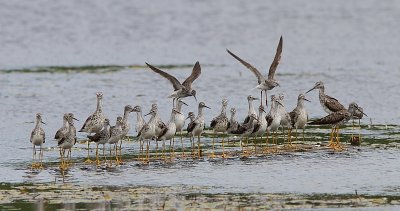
(55, 56)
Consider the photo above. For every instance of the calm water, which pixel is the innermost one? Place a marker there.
(350, 45)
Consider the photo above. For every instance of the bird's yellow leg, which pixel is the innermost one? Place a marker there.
(338, 144)
(183, 147)
(198, 146)
(88, 160)
(276, 140)
(97, 155)
(359, 130)
(223, 148)
(147, 152)
(352, 131)
(104, 154)
(331, 144)
(41, 157)
(255, 144)
(156, 149)
(303, 137)
(163, 151)
(266, 142)
(212, 153)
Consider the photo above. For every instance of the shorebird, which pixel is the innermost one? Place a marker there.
(68, 140)
(337, 119)
(63, 130)
(180, 121)
(126, 126)
(140, 122)
(299, 116)
(264, 83)
(169, 129)
(246, 129)
(260, 127)
(251, 108)
(38, 138)
(159, 124)
(220, 125)
(94, 123)
(198, 125)
(233, 124)
(101, 137)
(192, 118)
(181, 90)
(358, 114)
(285, 119)
(328, 103)
(116, 134)
(274, 120)
(148, 131)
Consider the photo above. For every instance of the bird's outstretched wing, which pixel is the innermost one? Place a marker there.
(259, 76)
(332, 118)
(333, 104)
(195, 74)
(175, 83)
(274, 64)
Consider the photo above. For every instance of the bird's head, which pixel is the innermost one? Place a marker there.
(318, 85)
(137, 109)
(193, 93)
(99, 95)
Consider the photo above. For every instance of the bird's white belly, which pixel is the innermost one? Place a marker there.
(198, 129)
(179, 121)
(114, 139)
(67, 144)
(37, 140)
(301, 120)
(171, 132)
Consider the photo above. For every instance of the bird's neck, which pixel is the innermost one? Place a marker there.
(179, 106)
(233, 117)
(126, 115)
(300, 104)
(321, 91)
(172, 118)
(38, 123)
(200, 114)
(251, 109)
(65, 123)
(223, 110)
(99, 105)
(139, 116)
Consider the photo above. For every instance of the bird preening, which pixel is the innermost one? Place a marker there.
(258, 123)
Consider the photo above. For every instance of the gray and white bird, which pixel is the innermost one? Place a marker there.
(181, 90)
(336, 120)
(116, 134)
(192, 118)
(274, 120)
(285, 119)
(126, 126)
(140, 122)
(251, 110)
(63, 130)
(261, 126)
(246, 129)
(148, 132)
(265, 83)
(299, 115)
(38, 138)
(328, 103)
(94, 123)
(158, 121)
(220, 125)
(233, 124)
(68, 140)
(169, 129)
(101, 137)
(358, 114)
(180, 121)
(197, 128)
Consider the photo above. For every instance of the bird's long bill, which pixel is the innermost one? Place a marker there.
(185, 103)
(75, 118)
(361, 111)
(42, 122)
(195, 97)
(148, 113)
(188, 117)
(207, 107)
(307, 100)
(256, 98)
(280, 103)
(311, 89)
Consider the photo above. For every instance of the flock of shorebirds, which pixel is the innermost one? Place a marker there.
(254, 125)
